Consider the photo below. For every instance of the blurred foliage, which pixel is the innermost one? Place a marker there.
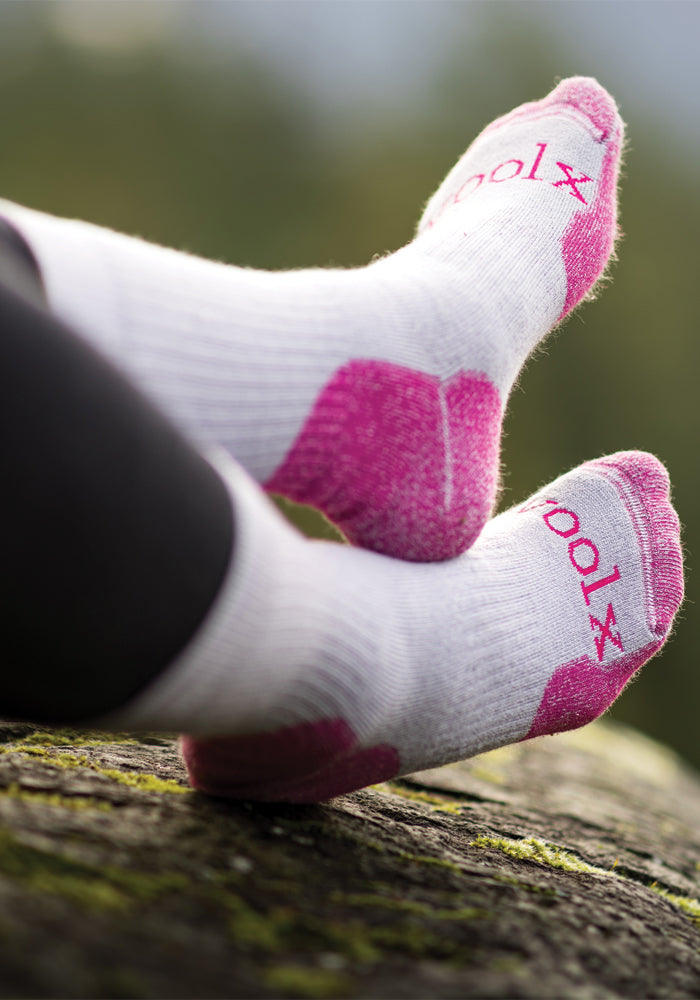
(221, 158)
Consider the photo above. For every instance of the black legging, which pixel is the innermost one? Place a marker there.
(115, 534)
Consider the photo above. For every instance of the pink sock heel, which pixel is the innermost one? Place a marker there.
(310, 762)
(402, 462)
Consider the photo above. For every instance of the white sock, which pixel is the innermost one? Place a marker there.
(322, 668)
(374, 394)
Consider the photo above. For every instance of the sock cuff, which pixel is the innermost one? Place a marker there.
(68, 256)
(238, 633)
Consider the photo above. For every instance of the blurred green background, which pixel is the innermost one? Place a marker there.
(284, 134)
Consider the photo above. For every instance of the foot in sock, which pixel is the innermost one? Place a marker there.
(324, 668)
(375, 394)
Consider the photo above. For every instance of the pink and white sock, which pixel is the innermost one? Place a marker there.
(374, 394)
(323, 668)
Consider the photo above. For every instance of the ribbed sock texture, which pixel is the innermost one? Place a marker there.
(322, 668)
(375, 394)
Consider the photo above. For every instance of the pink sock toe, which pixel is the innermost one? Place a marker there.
(645, 487)
(581, 92)
(582, 690)
(588, 243)
(586, 94)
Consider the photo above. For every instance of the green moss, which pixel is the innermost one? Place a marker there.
(134, 779)
(67, 760)
(275, 931)
(302, 981)
(251, 929)
(509, 964)
(352, 940)
(145, 887)
(14, 791)
(288, 929)
(144, 782)
(691, 907)
(73, 737)
(373, 900)
(92, 894)
(411, 938)
(438, 803)
(426, 859)
(47, 873)
(87, 886)
(532, 849)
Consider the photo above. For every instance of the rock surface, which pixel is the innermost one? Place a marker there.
(565, 867)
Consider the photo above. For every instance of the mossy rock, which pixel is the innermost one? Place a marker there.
(563, 867)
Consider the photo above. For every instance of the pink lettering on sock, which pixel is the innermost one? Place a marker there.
(466, 188)
(582, 690)
(605, 632)
(532, 176)
(584, 554)
(402, 462)
(590, 236)
(572, 182)
(569, 527)
(574, 556)
(589, 588)
(510, 175)
(572, 528)
(309, 762)
(657, 530)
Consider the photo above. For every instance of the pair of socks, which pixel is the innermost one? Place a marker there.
(377, 395)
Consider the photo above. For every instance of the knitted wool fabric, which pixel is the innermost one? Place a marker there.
(322, 668)
(375, 394)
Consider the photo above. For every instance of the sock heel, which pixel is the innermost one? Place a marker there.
(402, 462)
(309, 762)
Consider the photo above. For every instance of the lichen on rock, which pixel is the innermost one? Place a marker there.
(572, 872)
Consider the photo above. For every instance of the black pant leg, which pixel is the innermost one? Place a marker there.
(115, 534)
